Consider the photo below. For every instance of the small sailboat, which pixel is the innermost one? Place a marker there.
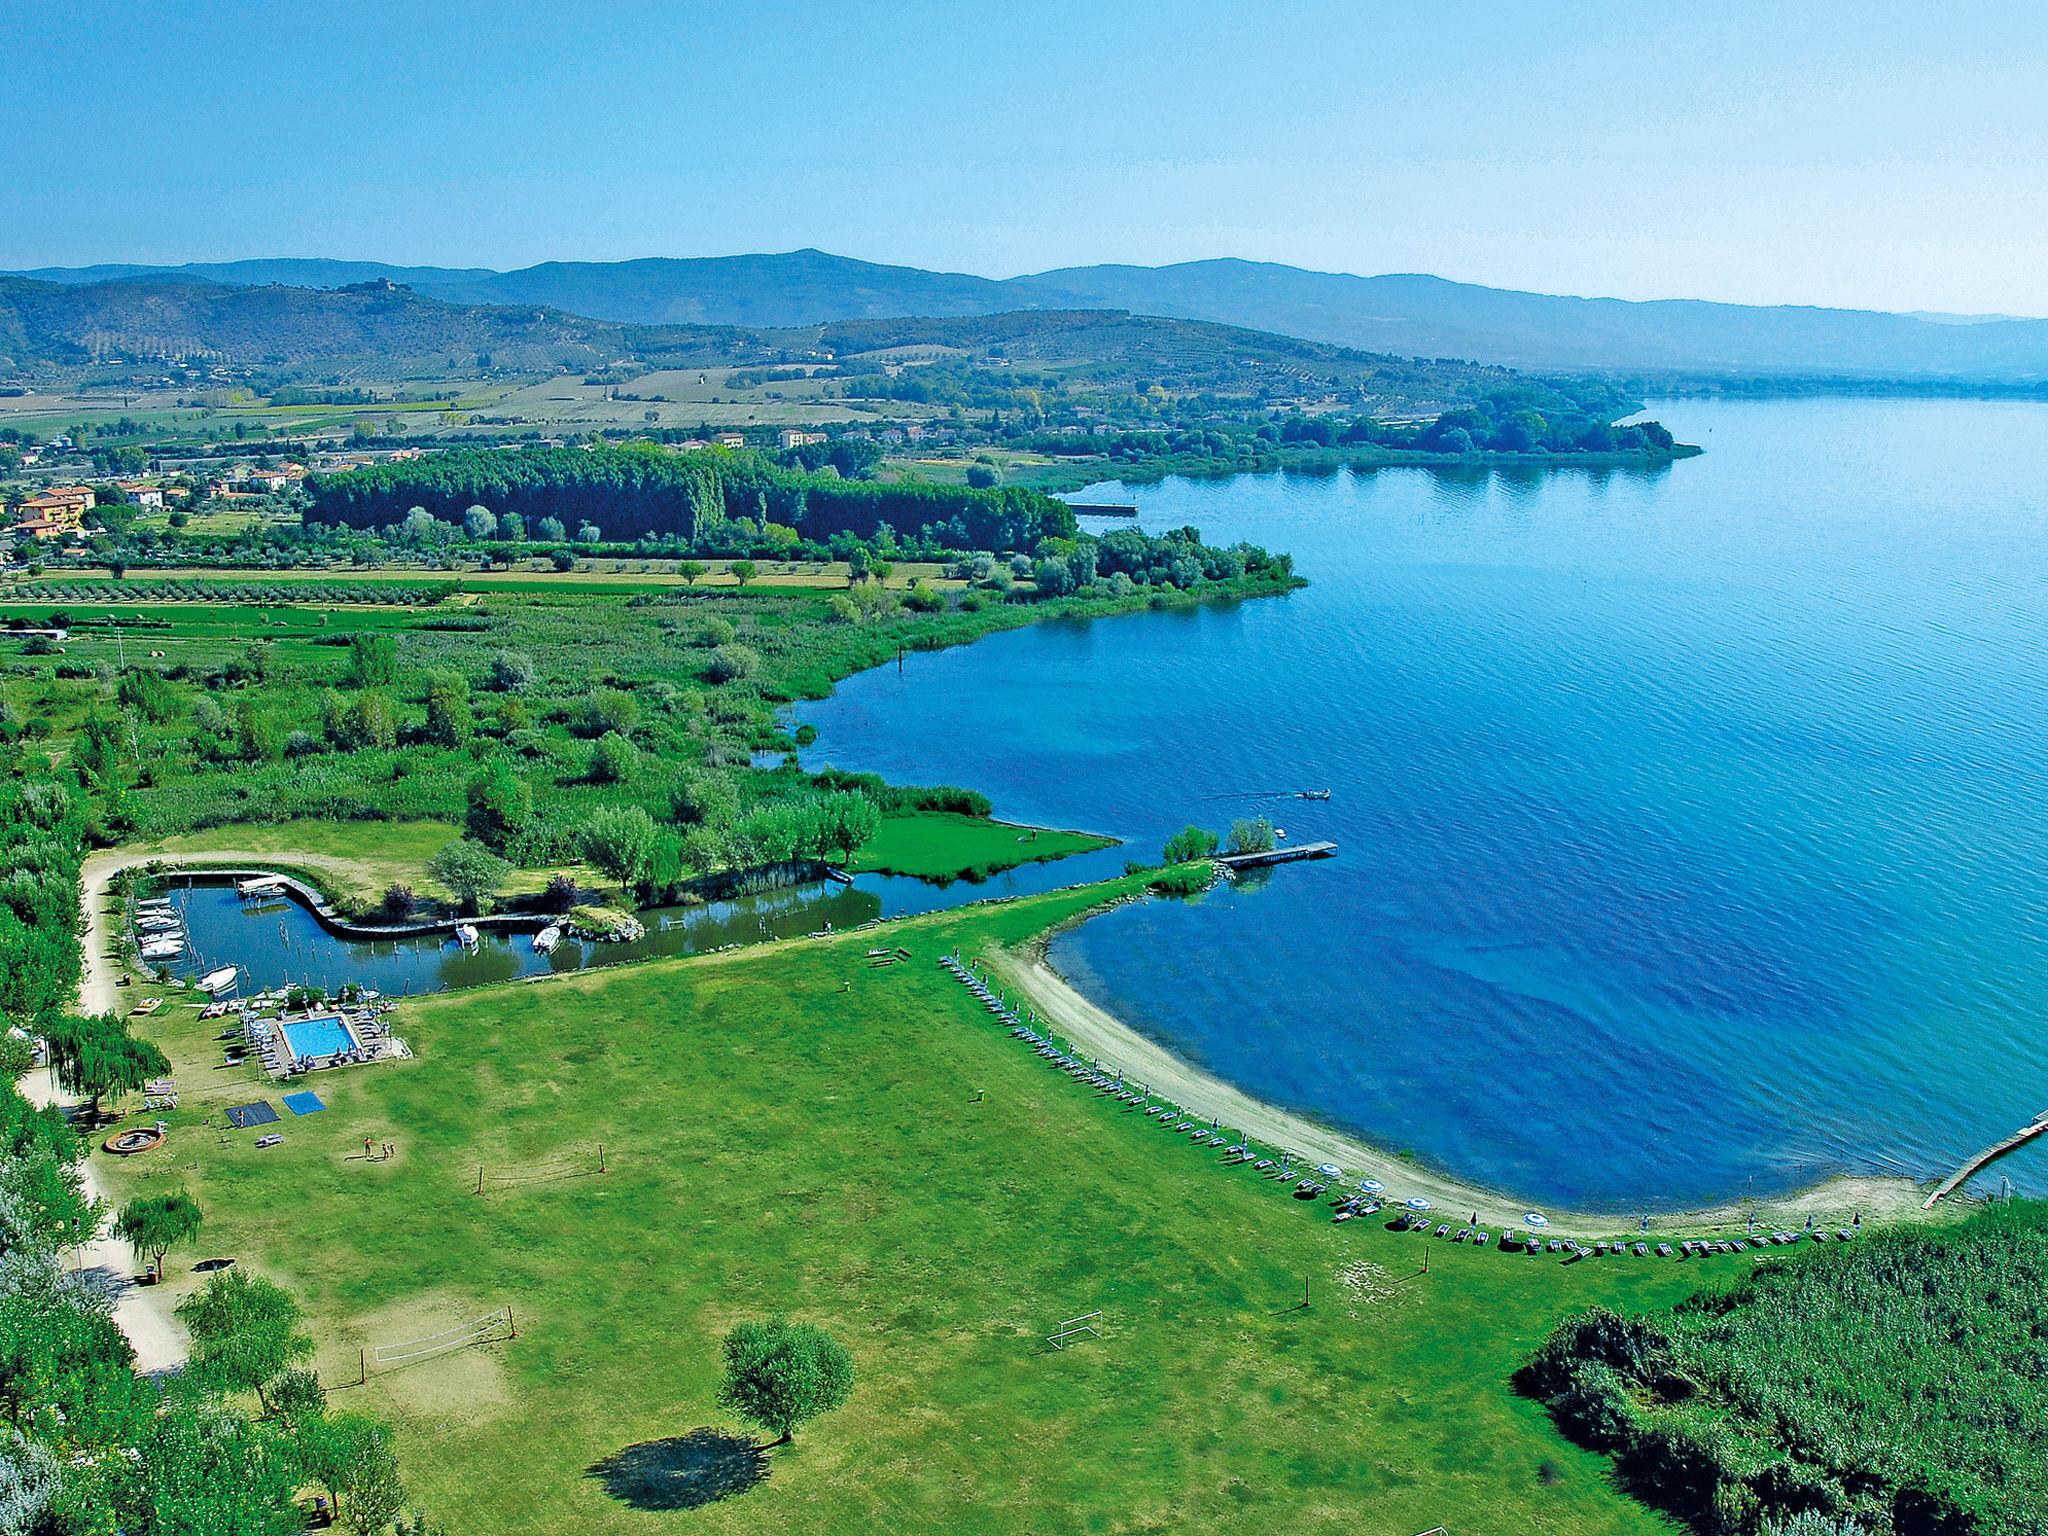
(1311, 794)
(162, 949)
(545, 941)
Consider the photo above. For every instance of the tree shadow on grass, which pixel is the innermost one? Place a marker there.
(683, 1472)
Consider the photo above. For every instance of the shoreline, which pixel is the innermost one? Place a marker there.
(1833, 1202)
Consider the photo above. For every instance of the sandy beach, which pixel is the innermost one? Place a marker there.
(1834, 1203)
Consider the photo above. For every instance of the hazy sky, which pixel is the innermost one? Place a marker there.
(1873, 155)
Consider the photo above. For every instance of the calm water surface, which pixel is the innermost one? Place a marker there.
(1694, 823)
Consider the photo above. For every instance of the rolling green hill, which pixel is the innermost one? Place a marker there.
(1405, 314)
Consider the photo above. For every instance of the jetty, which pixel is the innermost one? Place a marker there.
(1103, 509)
(1287, 855)
(2018, 1138)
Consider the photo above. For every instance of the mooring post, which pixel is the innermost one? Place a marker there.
(362, 1367)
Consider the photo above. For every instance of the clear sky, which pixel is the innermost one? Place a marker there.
(1876, 155)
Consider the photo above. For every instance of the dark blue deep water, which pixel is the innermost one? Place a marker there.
(1694, 823)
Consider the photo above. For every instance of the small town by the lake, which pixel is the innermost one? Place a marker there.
(1101, 770)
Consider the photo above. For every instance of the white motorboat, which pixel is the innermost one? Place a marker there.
(545, 941)
(218, 981)
(162, 949)
(260, 885)
(466, 935)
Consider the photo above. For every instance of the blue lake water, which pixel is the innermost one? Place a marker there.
(1694, 823)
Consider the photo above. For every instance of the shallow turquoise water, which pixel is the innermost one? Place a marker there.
(1694, 824)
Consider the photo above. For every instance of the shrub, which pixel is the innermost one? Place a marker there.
(613, 759)
(730, 663)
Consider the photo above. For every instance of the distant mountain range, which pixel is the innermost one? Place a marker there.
(384, 331)
(1415, 316)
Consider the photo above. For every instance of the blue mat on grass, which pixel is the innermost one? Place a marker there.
(305, 1102)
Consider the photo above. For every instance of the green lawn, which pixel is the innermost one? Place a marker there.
(352, 861)
(789, 1129)
(943, 845)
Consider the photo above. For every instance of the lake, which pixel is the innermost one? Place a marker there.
(1694, 822)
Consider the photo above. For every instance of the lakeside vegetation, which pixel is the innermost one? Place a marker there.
(516, 716)
(1895, 1389)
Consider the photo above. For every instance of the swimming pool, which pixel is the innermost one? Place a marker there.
(324, 1036)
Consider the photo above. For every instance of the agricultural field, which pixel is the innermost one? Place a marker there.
(794, 1129)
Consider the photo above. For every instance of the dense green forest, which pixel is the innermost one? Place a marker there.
(1899, 1389)
(634, 490)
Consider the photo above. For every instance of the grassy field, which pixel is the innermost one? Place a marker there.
(941, 845)
(790, 1130)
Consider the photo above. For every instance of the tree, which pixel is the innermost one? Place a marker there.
(731, 662)
(619, 839)
(512, 671)
(419, 527)
(372, 660)
(512, 527)
(245, 1331)
(373, 722)
(499, 805)
(1190, 842)
(743, 571)
(352, 1456)
(1054, 578)
(849, 819)
(782, 1374)
(1251, 835)
(449, 719)
(691, 571)
(258, 736)
(480, 522)
(471, 871)
(549, 530)
(562, 559)
(613, 759)
(983, 477)
(96, 1055)
(155, 1224)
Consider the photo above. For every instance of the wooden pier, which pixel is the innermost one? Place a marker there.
(1277, 856)
(1103, 509)
(2018, 1138)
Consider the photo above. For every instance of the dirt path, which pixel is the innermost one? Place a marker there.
(143, 1313)
(1834, 1203)
(99, 989)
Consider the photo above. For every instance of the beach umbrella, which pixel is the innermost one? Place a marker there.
(1371, 1186)
(1329, 1170)
(1531, 1219)
(1416, 1203)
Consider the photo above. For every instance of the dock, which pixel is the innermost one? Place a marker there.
(2018, 1138)
(1288, 855)
(1103, 509)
